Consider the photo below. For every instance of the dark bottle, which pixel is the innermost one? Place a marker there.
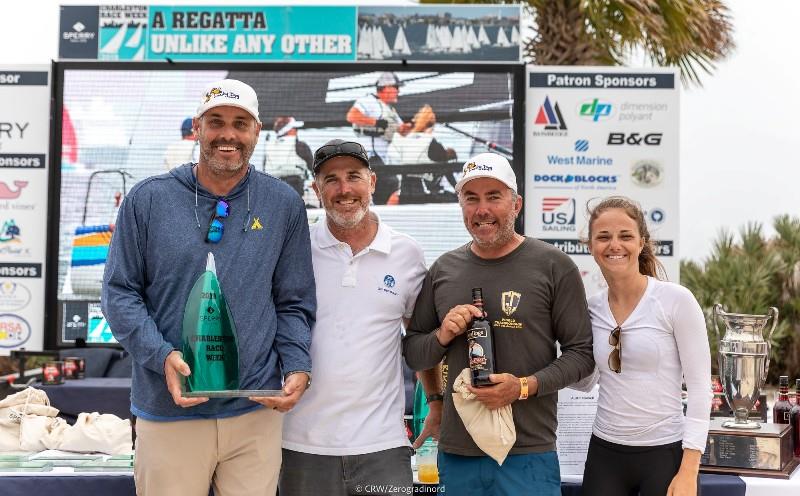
(481, 344)
(794, 415)
(782, 407)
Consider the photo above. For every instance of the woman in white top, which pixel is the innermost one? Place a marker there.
(649, 336)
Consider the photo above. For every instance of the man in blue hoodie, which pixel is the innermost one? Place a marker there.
(258, 234)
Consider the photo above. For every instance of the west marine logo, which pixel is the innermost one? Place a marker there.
(549, 116)
(509, 301)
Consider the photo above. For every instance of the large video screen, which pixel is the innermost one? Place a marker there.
(121, 123)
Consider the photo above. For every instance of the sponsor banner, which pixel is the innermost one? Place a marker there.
(593, 133)
(618, 80)
(664, 248)
(251, 33)
(78, 26)
(24, 137)
(307, 33)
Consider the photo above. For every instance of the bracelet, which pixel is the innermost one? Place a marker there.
(435, 397)
(523, 388)
(308, 375)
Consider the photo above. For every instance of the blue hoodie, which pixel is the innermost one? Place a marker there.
(157, 253)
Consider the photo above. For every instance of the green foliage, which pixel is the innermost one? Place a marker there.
(749, 274)
(691, 35)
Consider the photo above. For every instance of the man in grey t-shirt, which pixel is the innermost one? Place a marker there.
(534, 297)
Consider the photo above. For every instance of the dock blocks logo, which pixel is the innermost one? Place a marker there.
(558, 214)
(550, 118)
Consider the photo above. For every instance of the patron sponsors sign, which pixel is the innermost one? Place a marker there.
(598, 132)
(24, 133)
(290, 33)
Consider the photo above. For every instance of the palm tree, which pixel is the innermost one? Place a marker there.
(749, 276)
(689, 34)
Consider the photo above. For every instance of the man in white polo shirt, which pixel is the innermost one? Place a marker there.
(347, 436)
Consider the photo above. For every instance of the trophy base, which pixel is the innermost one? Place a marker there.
(763, 452)
(786, 473)
(233, 393)
(749, 425)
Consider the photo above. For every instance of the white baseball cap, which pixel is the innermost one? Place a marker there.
(488, 165)
(229, 92)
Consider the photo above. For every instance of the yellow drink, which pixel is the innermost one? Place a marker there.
(428, 474)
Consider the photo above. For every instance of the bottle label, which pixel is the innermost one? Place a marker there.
(477, 356)
(477, 332)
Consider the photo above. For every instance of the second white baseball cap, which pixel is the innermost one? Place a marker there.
(488, 165)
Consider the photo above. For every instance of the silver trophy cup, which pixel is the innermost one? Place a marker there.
(743, 361)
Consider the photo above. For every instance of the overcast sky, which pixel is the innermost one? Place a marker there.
(738, 163)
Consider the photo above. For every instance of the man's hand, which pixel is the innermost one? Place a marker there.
(405, 128)
(432, 423)
(174, 368)
(293, 389)
(505, 391)
(456, 322)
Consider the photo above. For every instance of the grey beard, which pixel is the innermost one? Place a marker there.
(221, 167)
(503, 237)
(347, 222)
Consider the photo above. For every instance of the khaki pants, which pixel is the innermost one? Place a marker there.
(237, 455)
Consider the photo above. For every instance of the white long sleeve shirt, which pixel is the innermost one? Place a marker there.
(662, 342)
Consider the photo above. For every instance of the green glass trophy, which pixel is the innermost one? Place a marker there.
(210, 346)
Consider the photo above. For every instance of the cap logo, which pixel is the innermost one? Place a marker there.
(471, 166)
(217, 92)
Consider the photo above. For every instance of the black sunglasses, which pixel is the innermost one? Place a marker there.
(351, 148)
(615, 357)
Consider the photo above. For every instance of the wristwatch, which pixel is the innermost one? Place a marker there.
(308, 374)
(435, 397)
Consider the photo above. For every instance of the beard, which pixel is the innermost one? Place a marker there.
(346, 220)
(503, 236)
(221, 166)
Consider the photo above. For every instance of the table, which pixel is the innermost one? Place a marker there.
(67, 485)
(93, 394)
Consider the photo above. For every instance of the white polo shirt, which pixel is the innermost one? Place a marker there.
(356, 403)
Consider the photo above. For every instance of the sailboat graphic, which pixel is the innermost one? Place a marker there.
(502, 39)
(139, 54)
(401, 43)
(116, 42)
(136, 39)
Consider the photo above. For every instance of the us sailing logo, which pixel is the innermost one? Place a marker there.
(549, 117)
(558, 214)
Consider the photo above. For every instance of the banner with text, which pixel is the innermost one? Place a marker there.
(594, 132)
(24, 133)
(290, 33)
